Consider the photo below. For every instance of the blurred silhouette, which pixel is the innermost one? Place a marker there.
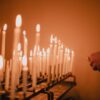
(94, 60)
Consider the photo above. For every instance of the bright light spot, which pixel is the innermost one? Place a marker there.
(1, 62)
(38, 28)
(5, 27)
(24, 60)
(18, 21)
(19, 47)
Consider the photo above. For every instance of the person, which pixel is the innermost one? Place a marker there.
(94, 60)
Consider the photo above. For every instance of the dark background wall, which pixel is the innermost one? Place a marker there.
(76, 22)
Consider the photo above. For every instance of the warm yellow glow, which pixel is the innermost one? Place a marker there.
(5, 27)
(18, 21)
(38, 28)
(1, 62)
(24, 60)
(24, 32)
(19, 47)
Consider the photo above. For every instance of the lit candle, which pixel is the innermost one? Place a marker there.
(51, 55)
(3, 40)
(54, 58)
(3, 46)
(58, 54)
(7, 77)
(61, 60)
(37, 35)
(17, 32)
(25, 70)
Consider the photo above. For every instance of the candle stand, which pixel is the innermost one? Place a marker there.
(43, 88)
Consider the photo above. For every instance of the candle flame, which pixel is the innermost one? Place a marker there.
(38, 28)
(19, 47)
(24, 32)
(5, 27)
(18, 21)
(24, 60)
(1, 62)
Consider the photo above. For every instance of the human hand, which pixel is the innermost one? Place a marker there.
(94, 60)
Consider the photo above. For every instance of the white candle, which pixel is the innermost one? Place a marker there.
(51, 55)
(37, 63)
(61, 60)
(54, 58)
(30, 62)
(34, 75)
(25, 43)
(40, 62)
(37, 41)
(1, 68)
(72, 60)
(3, 40)
(68, 60)
(48, 65)
(7, 76)
(57, 67)
(44, 61)
(59, 45)
(65, 61)
(17, 32)
(25, 70)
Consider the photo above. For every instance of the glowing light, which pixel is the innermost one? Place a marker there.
(24, 32)
(24, 60)
(38, 28)
(19, 47)
(1, 62)
(18, 21)
(5, 27)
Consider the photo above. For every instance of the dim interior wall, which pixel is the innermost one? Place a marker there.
(76, 22)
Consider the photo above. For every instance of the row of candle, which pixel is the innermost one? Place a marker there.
(52, 63)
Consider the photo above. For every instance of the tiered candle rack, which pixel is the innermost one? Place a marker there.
(27, 74)
(42, 87)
